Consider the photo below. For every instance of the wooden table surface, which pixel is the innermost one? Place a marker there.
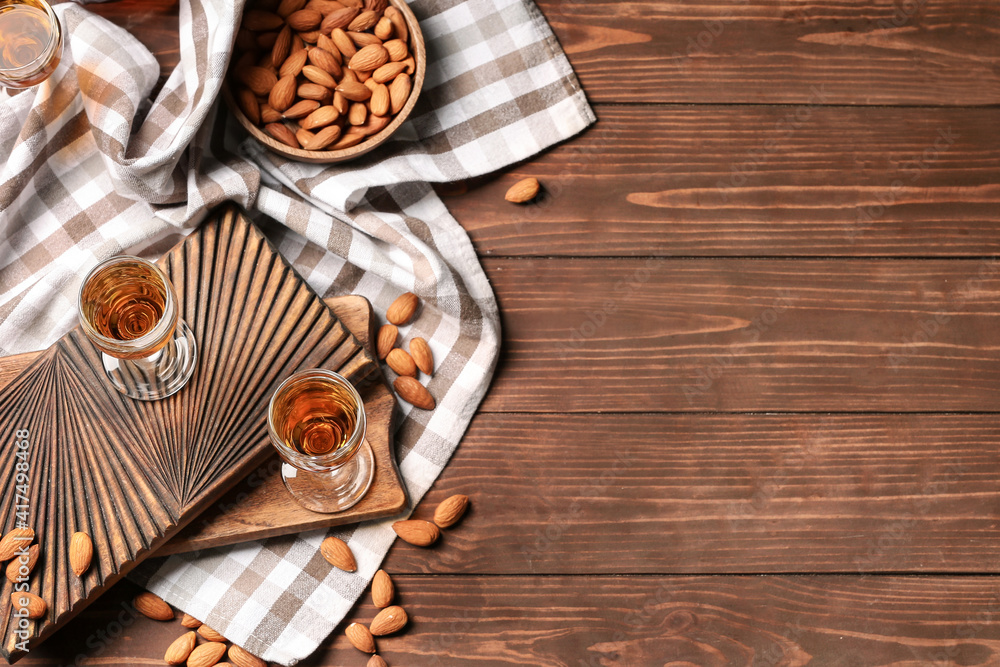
(746, 406)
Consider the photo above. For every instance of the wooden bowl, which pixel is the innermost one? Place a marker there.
(419, 51)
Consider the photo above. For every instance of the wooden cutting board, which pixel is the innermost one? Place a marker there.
(260, 506)
(130, 473)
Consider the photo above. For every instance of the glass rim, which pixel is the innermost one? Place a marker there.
(55, 35)
(155, 334)
(338, 456)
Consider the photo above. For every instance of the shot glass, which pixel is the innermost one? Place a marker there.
(30, 42)
(316, 421)
(129, 311)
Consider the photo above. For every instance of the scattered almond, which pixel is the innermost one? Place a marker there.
(360, 638)
(422, 355)
(383, 590)
(337, 553)
(243, 658)
(523, 191)
(81, 551)
(376, 661)
(450, 511)
(12, 542)
(210, 634)
(401, 363)
(389, 620)
(178, 652)
(402, 310)
(414, 393)
(386, 339)
(152, 606)
(417, 532)
(206, 655)
(14, 567)
(29, 603)
(189, 621)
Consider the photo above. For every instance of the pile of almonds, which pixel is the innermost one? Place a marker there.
(322, 74)
(81, 553)
(392, 618)
(405, 364)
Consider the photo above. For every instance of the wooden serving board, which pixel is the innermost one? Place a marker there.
(259, 506)
(131, 473)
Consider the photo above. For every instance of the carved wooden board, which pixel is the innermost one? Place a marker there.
(132, 473)
(260, 506)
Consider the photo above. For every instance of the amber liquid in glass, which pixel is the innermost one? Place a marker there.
(316, 417)
(25, 36)
(125, 301)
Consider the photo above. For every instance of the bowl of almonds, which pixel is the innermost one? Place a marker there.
(325, 80)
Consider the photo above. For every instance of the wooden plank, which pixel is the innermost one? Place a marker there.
(772, 52)
(620, 494)
(734, 335)
(654, 620)
(741, 181)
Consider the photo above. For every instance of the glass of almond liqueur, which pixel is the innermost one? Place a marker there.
(316, 421)
(129, 311)
(30, 42)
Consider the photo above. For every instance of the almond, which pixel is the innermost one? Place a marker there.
(399, 92)
(304, 137)
(383, 590)
(386, 339)
(401, 362)
(257, 79)
(340, 103)
(380, 102)
(206, 655)
(282, 47)
(282, 134)
(13, 541)
(314, 91)
(451, 510)
(397, 50)
(324, 7)
(383, 29)
(369, 58)
(152, 606)
(422, 355)
(340, 18)
(523, 191)
(323, 138)
(81, 551)
(411, 66)
(178, 652)
(318, 75)
(357, 114)
(310, 36)
(337, 553)
(210, 634)
(389, 620)
(360, 638)
(362, 77)
(243, 658)
(325, 43)
(14, 571)
(377, 6)
(249, 105)
(261, 21)
(283, 94)
(376, 661)
(343, 43)
(293, 64)
(301, 109)
(288, 7)
(268, 115)
(189, 621)
(403, 308)
(363, 21)
(398, 23)
(34, 606)
(321, 117)
(347, 140)
(374, 125)
(417, 532)
(297, 44)
(304, 20)
(388, 72)
(326, 61)
(363, 39)
(354, 91)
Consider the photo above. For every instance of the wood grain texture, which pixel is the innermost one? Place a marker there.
(745, 181)
(260, 506)
(779, 52)
(733, 621)
(585, 335)
(131, 473)
(623, 494)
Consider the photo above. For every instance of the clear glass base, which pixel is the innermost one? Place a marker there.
(160, 375)
(333, 491)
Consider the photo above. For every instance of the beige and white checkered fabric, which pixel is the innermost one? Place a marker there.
(93, 167)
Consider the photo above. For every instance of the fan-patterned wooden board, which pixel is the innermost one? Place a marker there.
(132, 473)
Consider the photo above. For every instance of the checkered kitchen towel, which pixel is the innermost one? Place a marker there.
(94, 168)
